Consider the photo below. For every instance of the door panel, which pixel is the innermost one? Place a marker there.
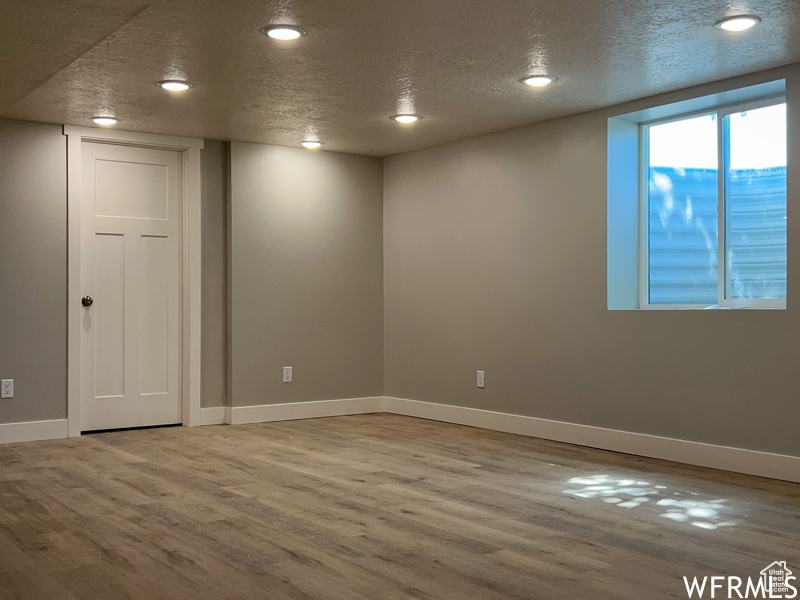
(154, 321)
(130, 350)
(109, 329)
(144, 195)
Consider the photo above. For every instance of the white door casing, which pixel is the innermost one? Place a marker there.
(134, 246)
(130, 268)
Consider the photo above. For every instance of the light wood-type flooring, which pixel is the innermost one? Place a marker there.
(372, 507)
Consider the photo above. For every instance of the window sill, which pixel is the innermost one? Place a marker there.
(766, 306)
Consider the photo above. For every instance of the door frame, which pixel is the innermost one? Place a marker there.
(191, 266)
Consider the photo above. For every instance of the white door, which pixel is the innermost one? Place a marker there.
(130, 277)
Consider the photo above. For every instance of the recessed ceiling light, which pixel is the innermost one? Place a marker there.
(175, 85)
(104, 121)
(311, 144)
(407, 119)
(284, 33)
(739, 23)
(538, 80)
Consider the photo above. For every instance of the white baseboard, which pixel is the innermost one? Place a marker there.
(304, 410)
(33, 431)
(751, 462)
(212, 415)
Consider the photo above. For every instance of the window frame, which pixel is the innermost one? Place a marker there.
(723, 168)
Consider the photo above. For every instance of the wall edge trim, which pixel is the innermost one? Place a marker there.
(725, 458)
(212, 415)
(33, 431)
(313, 409)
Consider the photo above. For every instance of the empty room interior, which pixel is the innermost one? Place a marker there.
(379, 300)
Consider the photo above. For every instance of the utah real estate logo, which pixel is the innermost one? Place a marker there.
(776, 581)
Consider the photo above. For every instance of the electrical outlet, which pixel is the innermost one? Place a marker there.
(481, 380)
(287, 374)
(7, 390)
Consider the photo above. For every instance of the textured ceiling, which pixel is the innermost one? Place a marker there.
(456, 62)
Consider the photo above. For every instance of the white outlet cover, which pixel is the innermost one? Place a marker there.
(481, 379)
(7, 388)
(287, 374)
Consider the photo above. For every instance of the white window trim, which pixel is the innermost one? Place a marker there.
(191, 262)
(722, 244)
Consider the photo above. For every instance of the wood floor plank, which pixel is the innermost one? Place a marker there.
(372, 507)
(22, 577)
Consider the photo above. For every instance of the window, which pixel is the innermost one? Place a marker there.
(713, 215)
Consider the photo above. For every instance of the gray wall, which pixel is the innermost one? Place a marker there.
(213, 336)
(306, 280)
(33, 269)
(495, 259)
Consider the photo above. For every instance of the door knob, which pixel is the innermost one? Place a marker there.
(87, 301)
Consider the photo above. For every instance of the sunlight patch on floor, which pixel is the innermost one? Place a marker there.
(634, 493)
